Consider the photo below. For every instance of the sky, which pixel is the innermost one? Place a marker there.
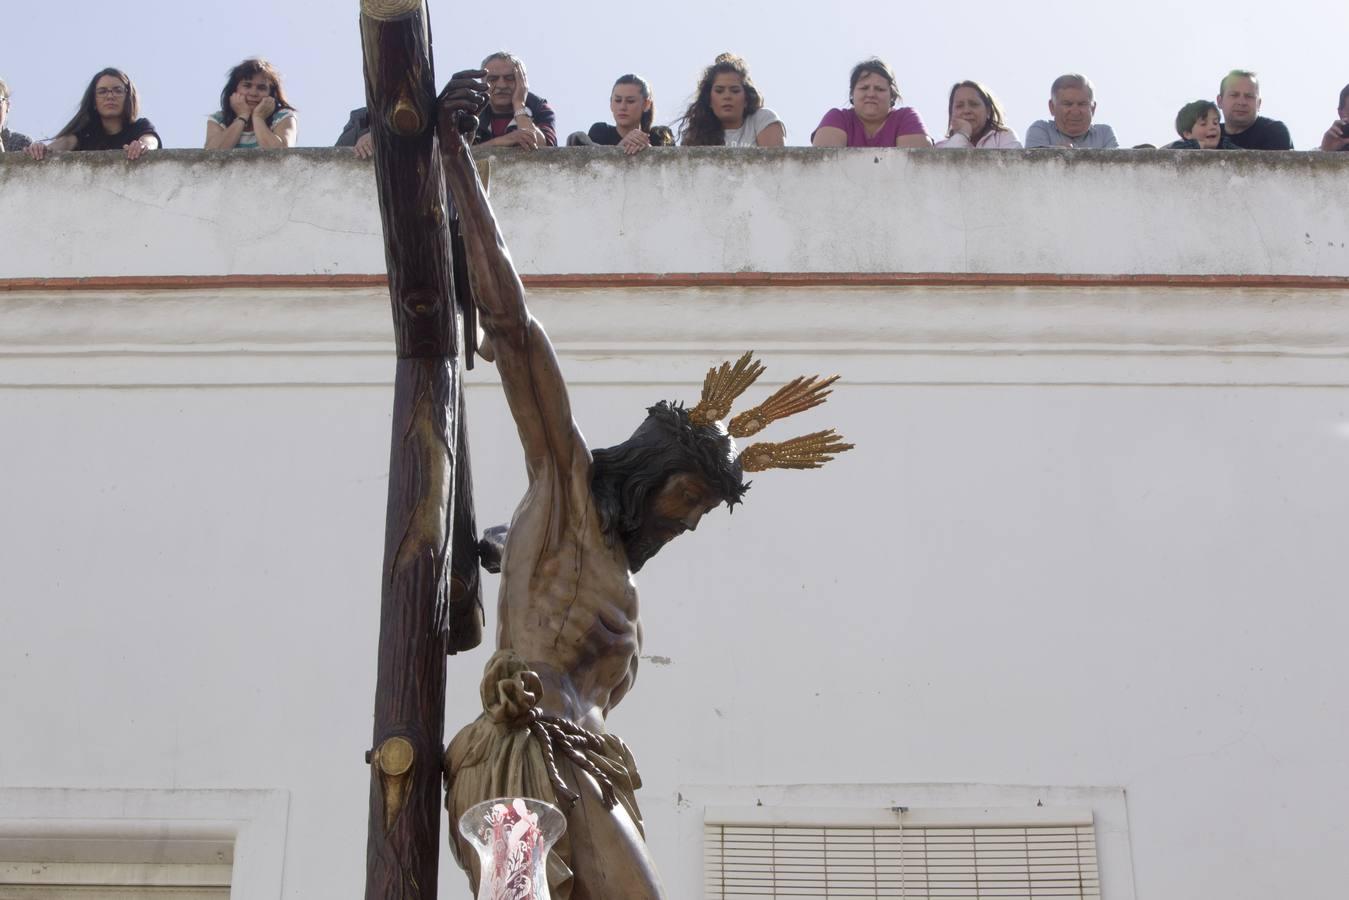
(1146, 58)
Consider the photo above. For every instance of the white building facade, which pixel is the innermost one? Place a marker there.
(1084, 570)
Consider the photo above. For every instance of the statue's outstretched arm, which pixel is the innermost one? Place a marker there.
(524, 356)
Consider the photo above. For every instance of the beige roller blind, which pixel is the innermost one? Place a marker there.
(95, 892)
(42, 880)
(923, 854)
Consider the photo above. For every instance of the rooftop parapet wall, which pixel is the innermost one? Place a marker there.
(713, 211)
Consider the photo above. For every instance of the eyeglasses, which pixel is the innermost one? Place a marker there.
(110, 92)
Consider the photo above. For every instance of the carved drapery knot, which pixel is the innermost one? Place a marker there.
(510, 691)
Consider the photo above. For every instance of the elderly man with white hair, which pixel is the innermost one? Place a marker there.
(1072, 103)
(514, 116)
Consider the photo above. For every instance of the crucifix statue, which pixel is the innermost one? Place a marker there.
(569, 632)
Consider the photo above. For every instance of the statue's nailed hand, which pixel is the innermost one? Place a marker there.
(463, 98)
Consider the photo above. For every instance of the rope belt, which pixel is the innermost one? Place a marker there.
(557, 735)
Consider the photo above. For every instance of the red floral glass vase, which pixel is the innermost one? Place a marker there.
(512, 836)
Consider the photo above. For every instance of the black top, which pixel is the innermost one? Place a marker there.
(607, 135)
(12, 141)
(1224, 143)
(1264, 134)
(95, 138)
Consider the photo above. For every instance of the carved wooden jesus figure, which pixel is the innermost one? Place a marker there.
(568, 633)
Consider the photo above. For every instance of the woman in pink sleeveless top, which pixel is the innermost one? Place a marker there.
(873, 119)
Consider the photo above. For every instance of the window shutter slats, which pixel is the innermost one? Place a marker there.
(919, 862)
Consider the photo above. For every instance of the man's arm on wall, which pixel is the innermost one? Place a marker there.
(546, 121)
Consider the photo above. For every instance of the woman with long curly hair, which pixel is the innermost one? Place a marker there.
(108, 119)
(728, 110)
(254, 112)
(976, 120)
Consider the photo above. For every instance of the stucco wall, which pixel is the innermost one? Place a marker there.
(789, 210)
(1092, 536)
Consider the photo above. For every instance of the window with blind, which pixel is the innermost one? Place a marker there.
(105, 865)
(948, 854)
(115, 844)
(95, 881)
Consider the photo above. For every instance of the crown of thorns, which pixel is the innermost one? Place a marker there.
(703, 436)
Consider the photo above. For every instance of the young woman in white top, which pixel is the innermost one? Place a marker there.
(728, 110)
(976, 120)
(254, 113)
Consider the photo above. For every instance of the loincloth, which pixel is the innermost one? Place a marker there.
(509, 751)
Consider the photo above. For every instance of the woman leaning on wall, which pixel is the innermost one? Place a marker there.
(254, 113)
(109, 118)
(874, 117)
(727, 110)
(975, 120)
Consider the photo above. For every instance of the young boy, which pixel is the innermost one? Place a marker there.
(1199, 125)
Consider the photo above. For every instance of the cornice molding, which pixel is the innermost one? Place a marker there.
(640, 280)
(336, 333)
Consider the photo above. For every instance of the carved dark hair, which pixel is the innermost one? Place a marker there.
(699, 126)
(624, 476)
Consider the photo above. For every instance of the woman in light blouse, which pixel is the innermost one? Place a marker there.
(976, 120)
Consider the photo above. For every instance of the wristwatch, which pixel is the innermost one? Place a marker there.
(525, 111)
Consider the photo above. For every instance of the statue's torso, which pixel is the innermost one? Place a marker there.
(568, 605)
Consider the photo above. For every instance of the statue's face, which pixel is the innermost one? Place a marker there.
(676, 507)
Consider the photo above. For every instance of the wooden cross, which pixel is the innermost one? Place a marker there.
(430, 602)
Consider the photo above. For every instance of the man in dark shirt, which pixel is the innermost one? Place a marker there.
(10, 141)
(1337, 135)
(514, 117)
(1239, 99)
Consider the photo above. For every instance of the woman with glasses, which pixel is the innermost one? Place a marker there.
(254, 113)
(108, 119)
